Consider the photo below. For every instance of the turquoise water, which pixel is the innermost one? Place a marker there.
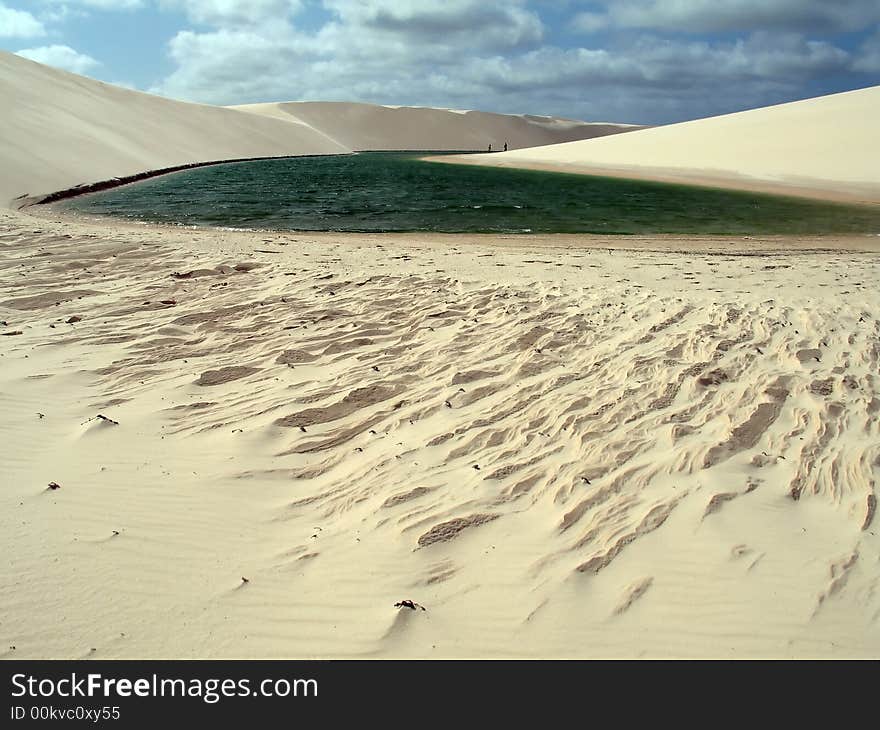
(397, 192)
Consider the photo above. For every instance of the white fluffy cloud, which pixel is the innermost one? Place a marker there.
(19, 24)
(63, 57)
(368, 50)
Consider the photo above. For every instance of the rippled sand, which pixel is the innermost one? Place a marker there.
(557, 446)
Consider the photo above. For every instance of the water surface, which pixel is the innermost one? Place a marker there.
(377, 192)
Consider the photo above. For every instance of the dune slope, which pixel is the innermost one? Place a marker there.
(61, 130)
(825, 147)
(375, 127)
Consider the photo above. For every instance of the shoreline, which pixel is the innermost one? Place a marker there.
(865, 242)
(862, 196)
(732, 245)
(26, 201)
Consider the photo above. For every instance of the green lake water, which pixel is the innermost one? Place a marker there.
(375, 192)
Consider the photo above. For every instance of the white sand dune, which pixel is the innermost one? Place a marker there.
(376, 127)
(61, 130)
(823, 147)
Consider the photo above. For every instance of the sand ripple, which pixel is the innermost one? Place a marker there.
(498, 435)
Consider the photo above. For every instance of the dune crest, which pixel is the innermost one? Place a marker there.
(379, 127)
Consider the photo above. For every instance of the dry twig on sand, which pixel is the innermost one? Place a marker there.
(102, 418)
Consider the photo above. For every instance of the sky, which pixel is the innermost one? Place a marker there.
(634, 61)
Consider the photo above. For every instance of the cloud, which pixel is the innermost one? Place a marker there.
(223, 13)
(364, 50)
(709, 16)
(58, 12)
(868, 59)
(233, 66)
(792, 56)
(19, 24)
(494, 56)
(63, 57)
(667, 66)
(508, 25)
(653, 79)
(98, 4)
(589, 22)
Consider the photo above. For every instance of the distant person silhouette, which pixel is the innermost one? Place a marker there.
(505, 146)
(490, 148)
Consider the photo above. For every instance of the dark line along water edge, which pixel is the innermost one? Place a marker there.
(397, 192)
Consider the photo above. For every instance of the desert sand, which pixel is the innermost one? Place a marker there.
(557, 448)
(375, 127)
(560, 446)
(824, 147)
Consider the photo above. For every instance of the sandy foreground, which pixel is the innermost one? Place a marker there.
(558, 446)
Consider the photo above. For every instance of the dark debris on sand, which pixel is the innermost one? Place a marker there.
(406, 603)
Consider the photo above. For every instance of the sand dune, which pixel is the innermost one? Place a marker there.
(374, 127)
(823, 147)
(61, 130)
(557, 449)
